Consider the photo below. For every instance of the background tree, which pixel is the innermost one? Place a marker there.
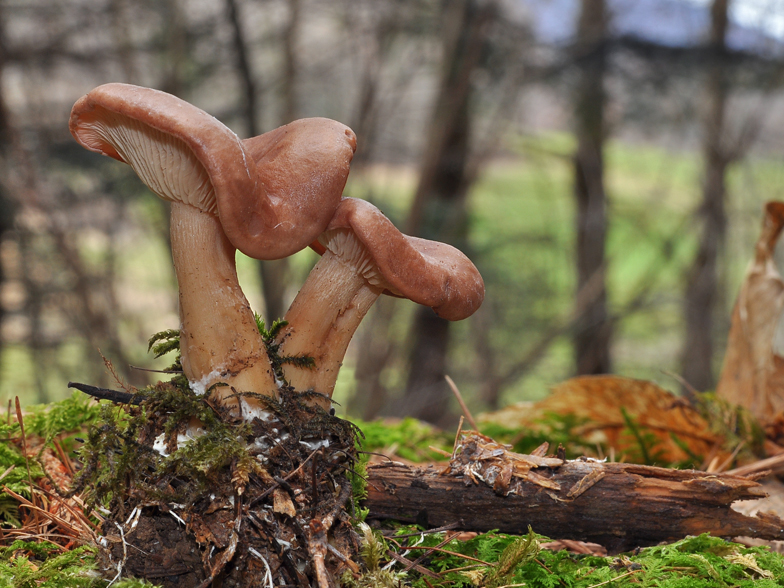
(593, 331)
(702, 289)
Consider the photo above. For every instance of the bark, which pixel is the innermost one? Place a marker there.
(701, 291)
(438, 211)
(593, 331)
(627, 506)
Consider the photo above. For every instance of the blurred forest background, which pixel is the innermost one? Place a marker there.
(603, 162)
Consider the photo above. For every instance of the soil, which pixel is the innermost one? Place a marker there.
(276, 510)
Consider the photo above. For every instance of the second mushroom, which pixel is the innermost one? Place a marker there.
(365, 255)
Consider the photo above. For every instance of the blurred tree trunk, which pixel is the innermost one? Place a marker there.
(273, 274)
(376, 348)
(175, 51)
(291, 65)
(702, 287)
(439, 211)
(276, 273)
(593, 330)
(7, 207)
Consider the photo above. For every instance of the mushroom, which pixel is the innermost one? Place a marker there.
(365, 255)
(268, 196)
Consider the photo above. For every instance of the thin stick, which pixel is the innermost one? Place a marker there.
(421, 558)
(286, 478)
(615, 578)
(454, 553)
(141, 369)
(729, 460)
(117, 396)
(774, 464)
(27, 460)
(457, 435)
(678, 378)
(448, 527)
(408, 563)
(463, 406)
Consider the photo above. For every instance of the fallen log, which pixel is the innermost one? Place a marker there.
(621, 506)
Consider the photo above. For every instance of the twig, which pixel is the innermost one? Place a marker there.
(774, 464)
(732, 456)
(409, 565)
(680, 379)
(268, 573)
(454, 553)
(421, 558)
(317, 546)
(334, 551)
(27, 460)
(463, 406)
(8, 471)
(457, 435)
(117, 396)
(269, 490)
(449, 527)
(614, 579)
(141, 369)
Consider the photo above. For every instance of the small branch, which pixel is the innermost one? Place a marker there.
(463, 406)
(117, 396)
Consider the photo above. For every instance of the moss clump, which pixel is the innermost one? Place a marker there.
(29, 564)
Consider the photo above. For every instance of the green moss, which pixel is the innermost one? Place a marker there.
(409, 438)
(694, 562)
(25, 564)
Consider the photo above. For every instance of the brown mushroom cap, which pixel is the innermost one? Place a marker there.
(274, 194)
(427, 272)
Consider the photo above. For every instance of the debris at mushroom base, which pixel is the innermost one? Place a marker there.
(213, 505)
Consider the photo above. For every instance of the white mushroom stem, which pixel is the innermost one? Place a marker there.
(219, 340)
(323, 318)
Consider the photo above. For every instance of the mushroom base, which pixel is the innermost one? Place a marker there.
(244, 500)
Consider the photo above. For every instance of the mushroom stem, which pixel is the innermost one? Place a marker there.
(321, 321)
(219, 340)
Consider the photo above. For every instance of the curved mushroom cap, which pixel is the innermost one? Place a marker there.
(427, 272)
(185, 155)
(304, 166)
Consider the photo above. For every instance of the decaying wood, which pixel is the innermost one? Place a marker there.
(621, 506)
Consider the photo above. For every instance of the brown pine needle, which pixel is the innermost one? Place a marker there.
(463, 406)
(453, 553)
(24, 449)
(615, 578)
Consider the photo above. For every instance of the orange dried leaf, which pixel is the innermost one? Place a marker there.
(753, 374)
(600, 401)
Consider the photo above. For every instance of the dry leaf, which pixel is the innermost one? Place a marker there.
(601, 400)
(282, 503)
(753, 374)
